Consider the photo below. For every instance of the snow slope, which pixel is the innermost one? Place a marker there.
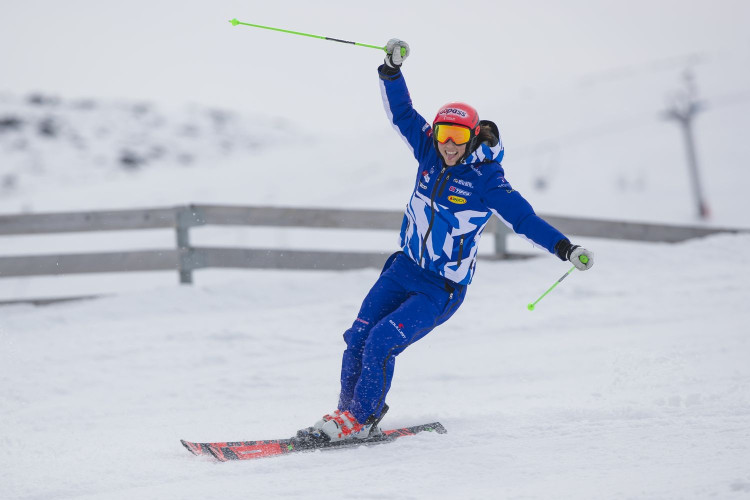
(50, 144)
(141, 104)
(629, 381)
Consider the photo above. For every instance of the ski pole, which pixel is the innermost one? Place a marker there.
(235, 22)
(531, 306)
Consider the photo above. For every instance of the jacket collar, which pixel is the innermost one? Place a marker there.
(486, 153)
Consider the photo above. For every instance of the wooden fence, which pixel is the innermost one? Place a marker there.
(185, 258)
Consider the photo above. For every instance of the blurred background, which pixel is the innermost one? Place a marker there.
(140, 104)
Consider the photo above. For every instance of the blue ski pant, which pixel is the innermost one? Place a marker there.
(405, 304)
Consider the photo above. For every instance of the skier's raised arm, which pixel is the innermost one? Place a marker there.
(409, 124)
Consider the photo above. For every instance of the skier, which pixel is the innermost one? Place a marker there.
(459, 185)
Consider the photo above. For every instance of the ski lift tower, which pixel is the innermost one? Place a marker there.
(683, 109)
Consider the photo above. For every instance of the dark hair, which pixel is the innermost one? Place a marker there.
(488, 133)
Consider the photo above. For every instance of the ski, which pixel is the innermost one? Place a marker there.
(251, 450)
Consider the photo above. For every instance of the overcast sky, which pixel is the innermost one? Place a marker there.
(493, 53)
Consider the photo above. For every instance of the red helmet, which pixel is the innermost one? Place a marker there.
(458, 113)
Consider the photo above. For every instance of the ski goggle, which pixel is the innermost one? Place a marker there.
(457, 133)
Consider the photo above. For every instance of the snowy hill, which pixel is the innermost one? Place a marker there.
(628, 381)
(50, 143)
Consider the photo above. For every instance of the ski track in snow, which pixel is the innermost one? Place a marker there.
(628, 381)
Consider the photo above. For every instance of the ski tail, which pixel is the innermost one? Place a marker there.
(204, 449)
(196, 448)
(250, 450)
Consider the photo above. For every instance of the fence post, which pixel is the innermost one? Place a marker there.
(185, 218)
(500, 232)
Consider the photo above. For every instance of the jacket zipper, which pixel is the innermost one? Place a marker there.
(435, 192)
(460, 250)
(445, 181)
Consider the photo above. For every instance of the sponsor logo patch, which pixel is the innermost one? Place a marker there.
(454, 189)
(398, 328)
(463, 183)
(426, 176)
(422, 186)
(453, 111)
(457, 200)
(505, 184)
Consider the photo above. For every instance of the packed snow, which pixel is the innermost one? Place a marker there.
(628, 381)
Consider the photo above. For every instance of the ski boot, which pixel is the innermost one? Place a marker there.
(312, 436)
(345, 426)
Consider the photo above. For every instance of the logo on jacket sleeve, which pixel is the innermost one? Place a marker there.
(426, 175)
(505, 184)
(457, 200)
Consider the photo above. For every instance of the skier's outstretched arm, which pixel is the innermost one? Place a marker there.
(517, 213)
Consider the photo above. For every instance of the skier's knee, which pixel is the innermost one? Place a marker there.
(386, 339)
(357, 334)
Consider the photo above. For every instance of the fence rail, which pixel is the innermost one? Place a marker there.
(72, 222)
(185, 258)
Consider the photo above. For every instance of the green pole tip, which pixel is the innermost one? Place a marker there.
(234, 22)
(584, 259)
(530, 307)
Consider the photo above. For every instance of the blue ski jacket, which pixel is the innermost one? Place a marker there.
(450, 206)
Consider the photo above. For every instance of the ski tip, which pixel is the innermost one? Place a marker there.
(438, 427)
